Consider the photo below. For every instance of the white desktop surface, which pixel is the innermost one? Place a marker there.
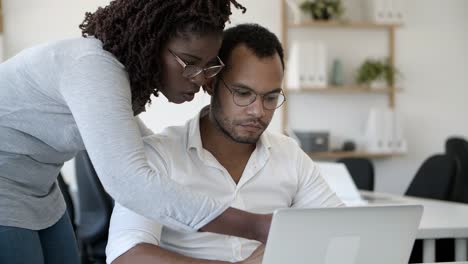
(440, 219)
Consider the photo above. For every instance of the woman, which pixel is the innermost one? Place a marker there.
(66, 96)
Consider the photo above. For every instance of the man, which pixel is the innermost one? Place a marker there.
(225, 152)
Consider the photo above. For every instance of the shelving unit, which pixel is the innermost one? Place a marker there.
(351, 88)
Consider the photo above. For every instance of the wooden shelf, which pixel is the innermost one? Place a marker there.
(350, 154)
(343, 89)
(344, 24)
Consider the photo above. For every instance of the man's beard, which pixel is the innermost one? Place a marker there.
(227, 129)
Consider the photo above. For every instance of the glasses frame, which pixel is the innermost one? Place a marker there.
(199, 69)
(233, 92)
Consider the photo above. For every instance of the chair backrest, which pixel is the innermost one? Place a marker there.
(95, 205)
(435, 178)
(362, 172)
(457, 148)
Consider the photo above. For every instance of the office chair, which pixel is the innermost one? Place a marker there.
(68, 200)
(95, 207)
(362, 172)
(457, 148)
(435, 180)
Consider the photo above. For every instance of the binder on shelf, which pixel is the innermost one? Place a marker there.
(400, 144)
(388, 11)
(373, 135)
(312, 63)
(387, 130)
(375, 10)
(293, 68)
(384, 11)
(384, 132)
(398, 10)
(308, 64)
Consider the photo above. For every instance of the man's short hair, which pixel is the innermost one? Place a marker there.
(262, 42)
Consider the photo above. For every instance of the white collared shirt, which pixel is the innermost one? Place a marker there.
(278, 175)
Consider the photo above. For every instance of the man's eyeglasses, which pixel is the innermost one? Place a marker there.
(245, 97)
(192, 71)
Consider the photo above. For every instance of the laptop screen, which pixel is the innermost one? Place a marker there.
(340, 181)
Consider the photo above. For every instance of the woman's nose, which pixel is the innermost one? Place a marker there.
(200, 79)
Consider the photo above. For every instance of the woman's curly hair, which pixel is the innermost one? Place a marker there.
(135, 31)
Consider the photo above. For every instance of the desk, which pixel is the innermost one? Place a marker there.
(440, 219)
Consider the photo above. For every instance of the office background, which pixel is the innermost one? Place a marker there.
(431, 51)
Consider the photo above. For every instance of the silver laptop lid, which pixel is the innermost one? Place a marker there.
(346, 235)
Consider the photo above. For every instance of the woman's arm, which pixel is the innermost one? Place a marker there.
(97, 91)
(236, 222)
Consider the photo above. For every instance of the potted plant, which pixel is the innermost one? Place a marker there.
(323, 9)
(376, 74)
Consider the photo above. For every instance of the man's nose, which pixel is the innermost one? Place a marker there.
(256, 108)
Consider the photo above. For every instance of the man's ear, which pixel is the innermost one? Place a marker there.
(210, 86)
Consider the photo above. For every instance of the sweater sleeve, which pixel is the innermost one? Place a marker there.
(144, 130)
(96, 89)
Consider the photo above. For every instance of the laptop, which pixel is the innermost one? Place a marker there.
(341, 183)
(345, 235)
(338, 178)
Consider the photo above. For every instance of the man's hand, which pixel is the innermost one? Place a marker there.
(256, 257)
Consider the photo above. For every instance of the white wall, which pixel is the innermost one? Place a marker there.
(31, 22)
(431, 52)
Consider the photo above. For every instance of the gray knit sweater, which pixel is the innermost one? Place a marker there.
(66, 96)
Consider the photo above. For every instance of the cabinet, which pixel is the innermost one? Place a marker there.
(350, 88)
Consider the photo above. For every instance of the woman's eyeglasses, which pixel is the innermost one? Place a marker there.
(192, 71)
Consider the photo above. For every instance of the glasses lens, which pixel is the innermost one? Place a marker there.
(273, 101)
(191, 71)
(213, 71)
(244, 98)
